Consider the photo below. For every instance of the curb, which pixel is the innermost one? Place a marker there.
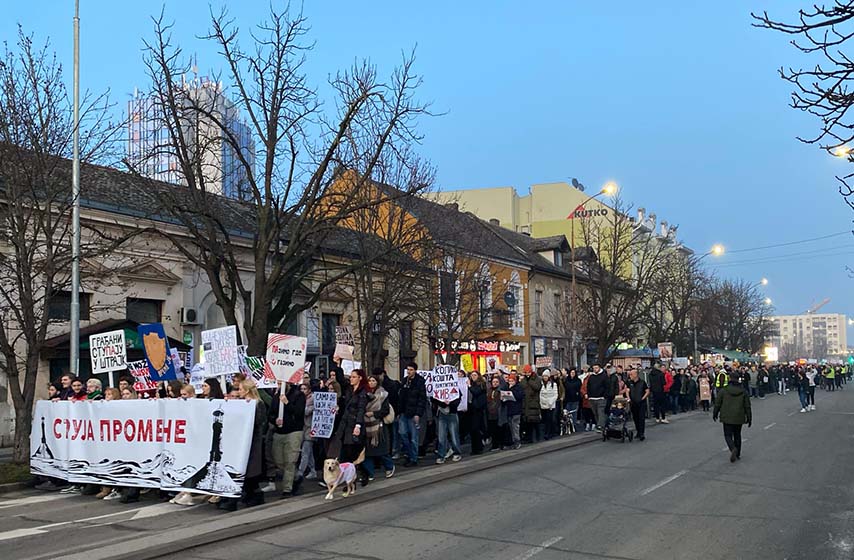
(10, 487)
(264, 517)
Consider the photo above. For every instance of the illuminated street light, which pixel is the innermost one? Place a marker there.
(610, 188)
(767, 301)
(717, 250)
(841, 151)
(764, 281)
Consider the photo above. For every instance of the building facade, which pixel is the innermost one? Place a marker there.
(810, 335)
(149, 149)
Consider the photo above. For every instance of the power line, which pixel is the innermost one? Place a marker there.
(782, 258)
(790, 243)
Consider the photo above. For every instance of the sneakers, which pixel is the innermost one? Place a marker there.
(456, 458)
(113, 495)
(105, 491)
(270, 486)
(74, 489)
(440, 461)
(812, 407)
(389, 474)
(803, 410)
(449, 454)
(395, 457)
(665, 421)
(517, 446)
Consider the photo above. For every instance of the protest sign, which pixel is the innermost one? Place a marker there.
(157, 352)
(349, 365)
(108, 351)
(286, 357)
(463, 385)
(344, 351)
(325, 406)
(344, 335)
(141, 377)
(194, 445)
(220, 348)
(665, 350)
(427, 375)
(197, 377)
(543, 361)
(443, 383)
(466, 362)
(253, 368)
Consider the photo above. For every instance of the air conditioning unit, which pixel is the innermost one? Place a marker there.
(189, 316)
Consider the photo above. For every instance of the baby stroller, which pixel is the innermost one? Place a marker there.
(616, 425)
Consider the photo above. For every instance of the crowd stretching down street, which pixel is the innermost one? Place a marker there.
(382, 423)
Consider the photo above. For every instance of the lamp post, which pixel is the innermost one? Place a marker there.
(610, 189)
(717, 250)
(74, 358)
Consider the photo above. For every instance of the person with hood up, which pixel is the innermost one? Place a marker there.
(732, 405)
(548, 404)
(531, 416)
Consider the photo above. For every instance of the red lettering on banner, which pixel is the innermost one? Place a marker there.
(167, 430)
(104, 427)
(56, 421)
(117, 429)
(179, 431)
(90, 433)
(158, 430)
(77, 425)
(67, 427)
(144, 430)
(129, 435)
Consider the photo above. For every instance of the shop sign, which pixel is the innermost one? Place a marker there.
(463, 346)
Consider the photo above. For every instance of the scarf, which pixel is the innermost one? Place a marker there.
(374, 424)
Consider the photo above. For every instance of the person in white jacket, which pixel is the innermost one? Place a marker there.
(548, 404)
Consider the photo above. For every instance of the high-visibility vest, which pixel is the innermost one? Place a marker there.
(721, 380)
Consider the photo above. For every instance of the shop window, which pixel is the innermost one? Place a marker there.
(59, 306)
(143, 310)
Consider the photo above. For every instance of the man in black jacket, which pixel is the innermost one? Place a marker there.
(392, 387)
(638, 394)
(659, 397)
(598, 389)
(287, 418)
(412, 399)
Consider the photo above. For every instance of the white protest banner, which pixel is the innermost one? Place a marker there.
(220, 349)
(142, 377)
(193, 445)
(197, 377)
(427, 375)
(444, 383)
(286, 357)
(253, 368)
(108, 351)
(325, 406)
(463, 385)
(344, 335)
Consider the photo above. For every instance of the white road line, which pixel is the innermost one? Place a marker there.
(538, 549)
(667, 480)
(791, 413)
(32, 500)
(769, 426)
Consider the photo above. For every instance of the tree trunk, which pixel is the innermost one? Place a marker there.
(23, 425)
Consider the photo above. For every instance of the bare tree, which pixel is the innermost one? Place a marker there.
(294, 195)
(35, 209)
(733, 315)
(630, 262)
(823, 90)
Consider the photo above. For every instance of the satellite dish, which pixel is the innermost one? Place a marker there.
(577, 185)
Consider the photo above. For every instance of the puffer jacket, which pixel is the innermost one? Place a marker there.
(732, 405)
(531, 386)
(548, 395)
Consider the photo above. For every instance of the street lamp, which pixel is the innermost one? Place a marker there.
(768, 301)
(841, 151)
(764, 281)
(609, 189)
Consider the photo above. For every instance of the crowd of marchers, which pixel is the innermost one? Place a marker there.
(382, 423)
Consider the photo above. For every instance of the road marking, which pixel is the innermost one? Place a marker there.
(538, 549)
(791, 413)
(32, 500)
(667, 480)
(769, 426)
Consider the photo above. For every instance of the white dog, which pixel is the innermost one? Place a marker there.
(336, 474)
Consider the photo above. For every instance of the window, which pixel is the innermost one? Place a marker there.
(538, 305)
(59, 306)
(144, 310)
(447, 290)
(406, 348)
(558, 258)
(558, 305)
(328, 323)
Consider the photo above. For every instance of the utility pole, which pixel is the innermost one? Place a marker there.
(74, 362)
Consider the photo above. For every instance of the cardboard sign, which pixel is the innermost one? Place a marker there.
(220, 348)
(543, 361)
(349, 365)
(286, 357)
(142, 377)
(253, 368)
(323, 420)
(157, 352)
(443, 382)
(108, 351)
(344, 351)
(463, 385)
(665, 350)
(197, 377)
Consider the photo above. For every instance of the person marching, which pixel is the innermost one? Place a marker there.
(732, 404)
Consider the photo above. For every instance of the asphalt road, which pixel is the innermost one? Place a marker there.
(675, 496)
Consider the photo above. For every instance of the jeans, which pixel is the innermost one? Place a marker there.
(448, 424)
(754, 392)
(286, 449)
(306, 462)
(781, 386)
(732, 436)
(802, 395)
(811, 395)
(370, 466)
(514, 422)
(408, 432)
(549, 422)
(598, 407)
(674, 402)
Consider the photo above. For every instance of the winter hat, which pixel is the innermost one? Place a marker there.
(546, 372)
(511, 377)
(527, 368)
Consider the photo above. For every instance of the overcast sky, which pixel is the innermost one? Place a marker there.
(680, 103)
